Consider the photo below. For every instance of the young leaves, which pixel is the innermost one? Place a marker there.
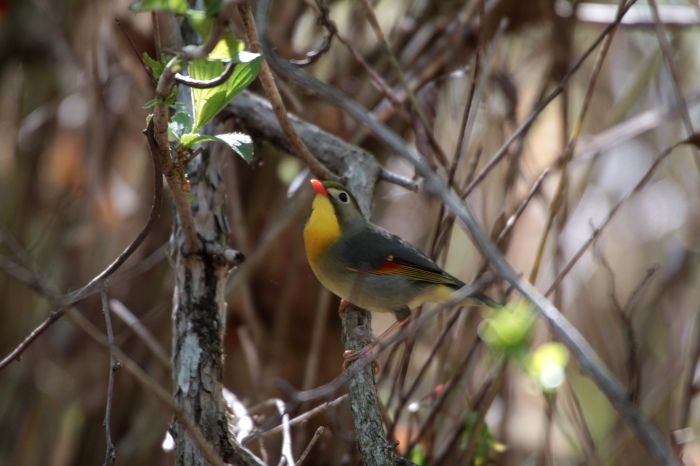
(209, 102)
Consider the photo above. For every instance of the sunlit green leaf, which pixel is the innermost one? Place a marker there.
(200, 22)
(246, 57)
(240, 143)
(190, 139)
(226, 49)
(208, 102)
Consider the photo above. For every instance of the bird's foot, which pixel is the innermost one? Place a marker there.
(354, 355)
(341, 309)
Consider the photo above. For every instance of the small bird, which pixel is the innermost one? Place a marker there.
(368, 266)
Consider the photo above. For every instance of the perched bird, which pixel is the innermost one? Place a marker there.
(369, 266)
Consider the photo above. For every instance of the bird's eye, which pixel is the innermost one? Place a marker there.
(343, 197)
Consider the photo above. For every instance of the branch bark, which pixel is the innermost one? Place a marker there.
(364, 400)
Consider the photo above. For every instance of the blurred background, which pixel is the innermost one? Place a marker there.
(76, 186)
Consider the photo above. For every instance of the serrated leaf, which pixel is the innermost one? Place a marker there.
(240, 143)
(176, 6)
(208, 102)
(226, 49)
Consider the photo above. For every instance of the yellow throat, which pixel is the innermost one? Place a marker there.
(322, 228)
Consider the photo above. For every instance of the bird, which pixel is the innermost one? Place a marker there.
(369, 266)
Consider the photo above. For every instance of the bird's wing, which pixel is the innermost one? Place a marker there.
(381, 252)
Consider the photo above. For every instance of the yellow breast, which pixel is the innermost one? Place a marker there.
(321, 230)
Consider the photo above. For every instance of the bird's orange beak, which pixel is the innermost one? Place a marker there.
(318, 187)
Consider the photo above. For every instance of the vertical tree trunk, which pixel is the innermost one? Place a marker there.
(199, 320)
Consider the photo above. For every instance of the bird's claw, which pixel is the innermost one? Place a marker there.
(351, 356)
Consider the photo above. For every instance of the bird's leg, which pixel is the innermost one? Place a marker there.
(402, 316)
(343, 305)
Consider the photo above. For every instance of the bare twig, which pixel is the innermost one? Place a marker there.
(598, 230)
(496, 158)
(325, 21)
(121, 311)
(273, 94)
(111, 453)
(560, 192)
(475, 433)
(99, 279)
(314, 439)
(398, 180)
(286, 434)
(675, 75)
(374, 22)
(152, 386)
(301, 419)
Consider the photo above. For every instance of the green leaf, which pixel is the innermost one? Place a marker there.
(180, 124)
(200, 22)
(190, 139)
(240, 143)
(150, 103)
(212, 7)
(208, 102)
(176, 6)
(226, 49)
(246, 57)
(418, 456)
(156, 66)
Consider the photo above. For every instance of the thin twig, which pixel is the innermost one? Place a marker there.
(99, 279)
(391, 177)
(675, 76)
(314, 439)
(273, 94)
(286, 434)
(560, 191)
(111, 453)
(598, 230)
(128, 317)
(374, 22)
(301, 419)
(475, 433)
(546, 101)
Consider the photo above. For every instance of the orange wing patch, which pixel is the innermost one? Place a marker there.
(390, 267)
